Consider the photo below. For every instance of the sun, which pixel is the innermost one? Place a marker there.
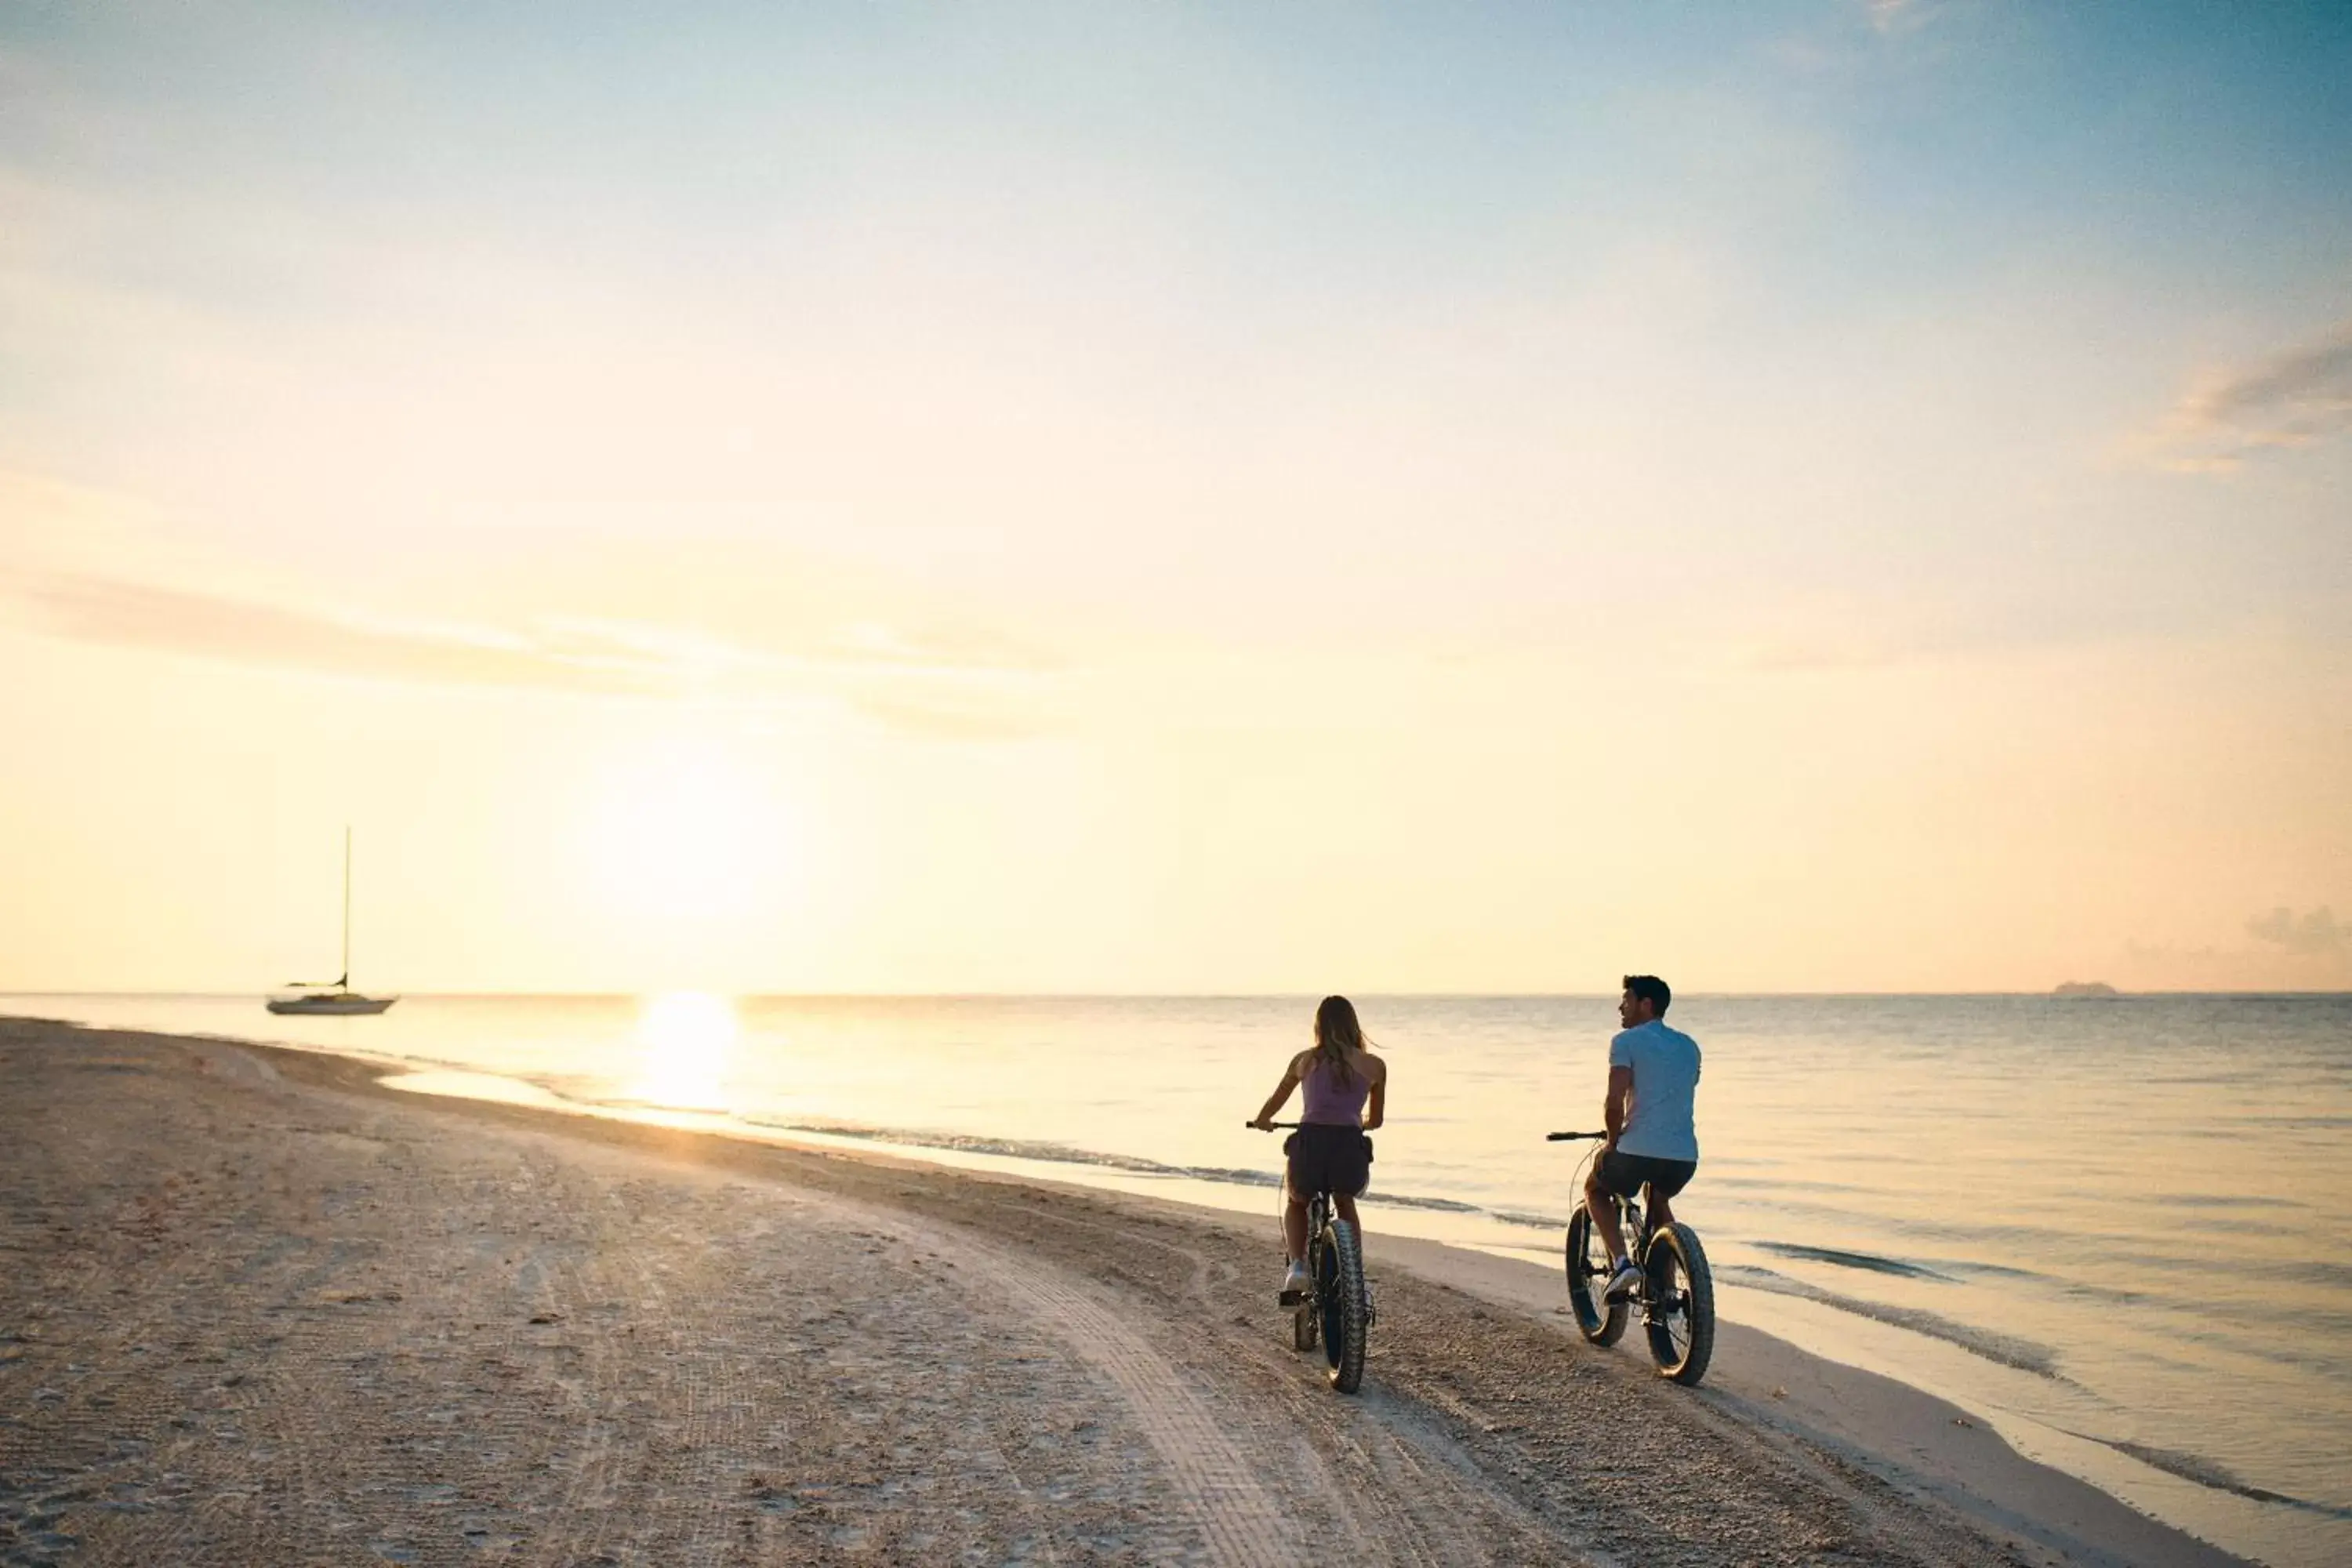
(685, 1039)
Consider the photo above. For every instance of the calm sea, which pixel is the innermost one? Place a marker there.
(2119, 1230)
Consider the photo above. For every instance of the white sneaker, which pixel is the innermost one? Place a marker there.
(1622, 1283)
(1295, 1278)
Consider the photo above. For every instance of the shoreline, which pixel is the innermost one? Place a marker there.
(1902, 1463)
(1952, 1364)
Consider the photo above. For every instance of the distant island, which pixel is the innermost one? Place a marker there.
(2086, 988)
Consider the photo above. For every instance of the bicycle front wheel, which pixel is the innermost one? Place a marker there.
(1679, 1299)
(1601, 1322)
(1344, 1317)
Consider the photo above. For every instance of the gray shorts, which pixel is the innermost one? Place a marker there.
(1623, 1173)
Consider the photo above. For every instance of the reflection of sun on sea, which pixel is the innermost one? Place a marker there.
(684, 1038)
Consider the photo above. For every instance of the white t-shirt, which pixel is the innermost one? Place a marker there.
(1665, 1082)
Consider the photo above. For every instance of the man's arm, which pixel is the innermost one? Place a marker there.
(1621, 1100)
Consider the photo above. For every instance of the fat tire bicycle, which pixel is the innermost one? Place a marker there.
(1677, 1289)
(1336, 1308)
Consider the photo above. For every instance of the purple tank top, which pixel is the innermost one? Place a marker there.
(1329, 1102)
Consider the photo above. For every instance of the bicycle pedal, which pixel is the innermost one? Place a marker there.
(1292, 1297)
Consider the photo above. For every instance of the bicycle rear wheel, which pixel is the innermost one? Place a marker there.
(1679, 1301)
(1603, 1322)
(1340, 1288)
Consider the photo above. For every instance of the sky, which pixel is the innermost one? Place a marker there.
(1078, 497)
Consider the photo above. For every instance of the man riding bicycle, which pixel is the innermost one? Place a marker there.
(1652, 1083)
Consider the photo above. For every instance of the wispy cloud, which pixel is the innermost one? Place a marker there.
(2313, 933)
(958, 687)
(1897, 15)
(2294, 399)
(2290, 951)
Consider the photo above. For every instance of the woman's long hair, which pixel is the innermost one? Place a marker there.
(1337, 1033)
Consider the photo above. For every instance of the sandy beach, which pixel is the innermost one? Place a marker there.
(255, 1308)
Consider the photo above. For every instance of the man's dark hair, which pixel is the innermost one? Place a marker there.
(1649, 988)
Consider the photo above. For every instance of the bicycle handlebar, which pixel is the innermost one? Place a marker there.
(1548, 1136)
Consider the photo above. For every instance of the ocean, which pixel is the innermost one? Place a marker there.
(2118, 1230)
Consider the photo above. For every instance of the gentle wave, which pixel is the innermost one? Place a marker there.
(1775, 1184)
(1014, 1149)
(1974, 1268)
(2206, 1473)
(1532, 1221)
(2004, 1348)
(1064, 1154)
(1871, 1261)
(2224, 1200)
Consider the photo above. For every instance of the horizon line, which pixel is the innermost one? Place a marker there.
(1506, 996)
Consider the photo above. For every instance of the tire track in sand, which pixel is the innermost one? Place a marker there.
(1270, 1465)
(1242, 1521)
(1364, 1477)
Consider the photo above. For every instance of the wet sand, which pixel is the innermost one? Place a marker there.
(255, 1308)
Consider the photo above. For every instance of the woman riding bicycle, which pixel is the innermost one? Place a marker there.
(1330, 1152)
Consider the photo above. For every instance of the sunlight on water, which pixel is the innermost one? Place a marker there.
(685, 1039)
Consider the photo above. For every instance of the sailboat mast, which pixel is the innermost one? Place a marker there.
(346, 981)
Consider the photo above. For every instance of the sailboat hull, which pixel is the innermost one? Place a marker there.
(341, 1007)
(338, 1000)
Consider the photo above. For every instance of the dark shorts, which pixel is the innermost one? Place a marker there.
(1335, 1160)
(1623, 1173)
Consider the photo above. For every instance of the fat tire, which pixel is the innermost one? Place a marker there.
(1344, 1315)
(1684, 1363)
(1600, 1322)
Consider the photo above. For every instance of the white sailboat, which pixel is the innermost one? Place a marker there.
(338, 998)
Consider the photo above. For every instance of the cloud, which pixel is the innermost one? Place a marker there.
(1898, 15)
(2296, 399)
(2314, 933)
(964, 687)
(2290, 952)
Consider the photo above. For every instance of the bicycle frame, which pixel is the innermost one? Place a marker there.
(1319, 1214)
(1632, 1219)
